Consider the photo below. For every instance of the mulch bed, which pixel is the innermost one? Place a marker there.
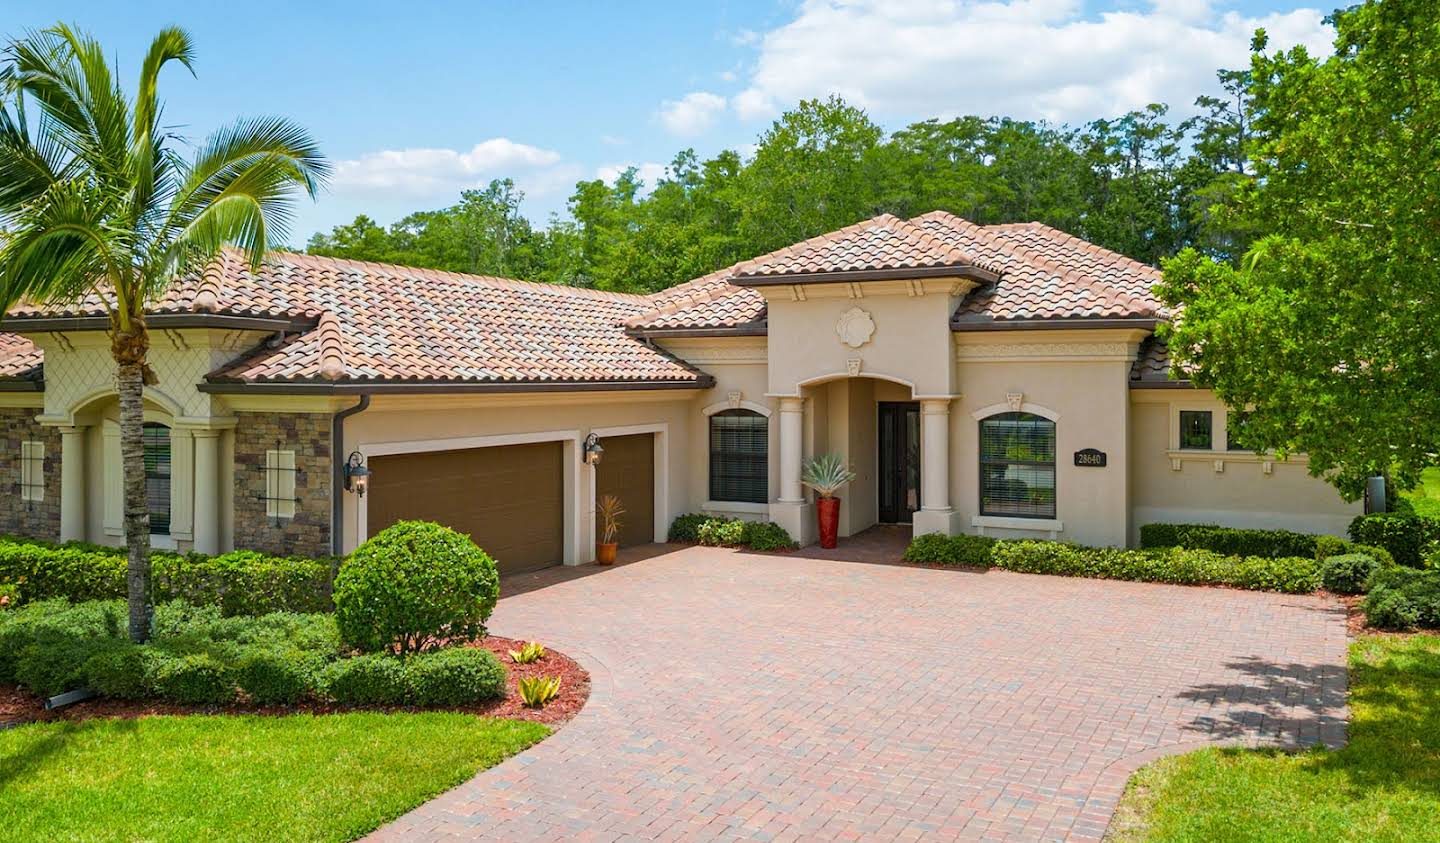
(20, 706)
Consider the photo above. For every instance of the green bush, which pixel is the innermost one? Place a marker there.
(191, 679)
(938, 548)
(1404, 536)
(686, 528)
(1229, 541)
(118, 671)
(413, 586)
(45, 646)
(766, 536)
(454, 676)
(371, 679)
(1348, 573)
(277, 676)
(1402, 598)
(722, 532)
(1182, 566)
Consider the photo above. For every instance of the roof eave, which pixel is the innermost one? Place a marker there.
(1056, 324)
(22, 384)
(232, 387)
(1143, 383)
(45, 324)
(749, 329)
(846, 276)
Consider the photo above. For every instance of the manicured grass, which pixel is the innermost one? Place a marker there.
(1426, 497)
(303, 777)
(1384, 785)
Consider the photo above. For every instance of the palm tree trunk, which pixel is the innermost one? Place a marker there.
(131, 384)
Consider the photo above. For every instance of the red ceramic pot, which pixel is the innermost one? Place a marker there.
(827, 510)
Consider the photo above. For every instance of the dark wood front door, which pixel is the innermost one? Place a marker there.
(899, 474)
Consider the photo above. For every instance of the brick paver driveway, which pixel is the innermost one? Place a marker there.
(745, 696)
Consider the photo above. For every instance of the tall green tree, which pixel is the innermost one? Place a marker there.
(101, 209)
(1326, 329)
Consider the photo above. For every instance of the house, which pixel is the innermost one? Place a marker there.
(1002, 380)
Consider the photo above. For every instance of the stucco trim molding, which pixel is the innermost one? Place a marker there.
(731, 351)
(721, 406)
(1046, 352)
(1007, 407)
(999, 522)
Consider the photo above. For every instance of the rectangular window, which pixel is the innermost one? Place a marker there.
(157, 477)
(1195, 426)
(32, 471)
(280, 484)
(739, 456)
(1017, 466)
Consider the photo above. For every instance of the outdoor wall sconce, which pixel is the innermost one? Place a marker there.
(593, 450)
(357, 476)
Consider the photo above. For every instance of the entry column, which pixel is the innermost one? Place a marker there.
(935, 515)
(790, 510)
(72, 484)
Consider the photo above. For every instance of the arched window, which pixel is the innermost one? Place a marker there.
(157, 477)
(1017, 466)
(739, 456)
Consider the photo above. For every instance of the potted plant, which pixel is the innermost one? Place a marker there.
(609, 511)
(826, 474)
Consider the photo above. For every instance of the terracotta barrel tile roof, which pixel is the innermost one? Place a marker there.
(885, 242)
(708, 302)
(19, 358)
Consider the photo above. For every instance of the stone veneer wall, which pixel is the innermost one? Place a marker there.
(33, 519)
(308, 435)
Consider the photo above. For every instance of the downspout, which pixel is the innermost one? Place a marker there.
(337, 469)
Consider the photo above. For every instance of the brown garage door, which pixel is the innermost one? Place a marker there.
(627, 471)
(509, 499)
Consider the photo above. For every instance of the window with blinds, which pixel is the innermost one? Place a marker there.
(1017, 466)
(739, 456)
(157, 477)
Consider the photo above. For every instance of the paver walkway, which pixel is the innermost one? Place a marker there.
(785, 697)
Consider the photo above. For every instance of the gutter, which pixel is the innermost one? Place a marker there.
(43, 324)
(337, 469)
(1060, 324)
(440, 387)
(753, 329)
(20, 385)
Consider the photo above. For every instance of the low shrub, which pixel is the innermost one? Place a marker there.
(277, 676)
(44, 646)
(1348, 573)
(1182, 566)
(686, 528)
(118, 672)
(938, 548)
(1404, 536)
(722, 532)
(191, 678)
(766, 536)
(412, 586)
(1229, 541)
(371, 679)
(1402, 599)
(454, 676)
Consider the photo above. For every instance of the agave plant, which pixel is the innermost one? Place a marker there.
(531, 652)
(826, 474)
(609, 509)
(535, 691)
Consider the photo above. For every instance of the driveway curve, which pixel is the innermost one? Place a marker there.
(792, 697)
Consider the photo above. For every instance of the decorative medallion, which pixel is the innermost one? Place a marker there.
(855, 327)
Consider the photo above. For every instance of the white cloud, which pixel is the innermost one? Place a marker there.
(428, 172)
(649, 172)
(614, 140)
(1023, 58)
(692, 114)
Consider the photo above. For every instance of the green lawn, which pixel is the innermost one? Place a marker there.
(1383, 786)
(303, 777)
(1426, 497)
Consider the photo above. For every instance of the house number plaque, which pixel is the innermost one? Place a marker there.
(1090, 458)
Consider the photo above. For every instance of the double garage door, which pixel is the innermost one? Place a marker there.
(509, 499)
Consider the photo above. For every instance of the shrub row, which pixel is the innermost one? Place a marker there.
(1181, 566)
(940, 549)
(1229, 541)
(239, 583)
(197, 656)
(729, 532)
(1407, 538)
(1403, 599)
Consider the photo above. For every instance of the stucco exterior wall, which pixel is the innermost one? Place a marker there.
(1234, 488)
(32, 519)
(308, 435)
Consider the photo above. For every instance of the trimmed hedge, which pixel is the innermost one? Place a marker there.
(455, 676)
(940, 549)
(1403, 599)
(240, 583)
(1404, 536)
(1348, 573)
(718, 531)
(1181, 566)
(1230, 541)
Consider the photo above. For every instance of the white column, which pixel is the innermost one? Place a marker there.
(935, 454)
(72, 484)
(792, 446)
(207, 491)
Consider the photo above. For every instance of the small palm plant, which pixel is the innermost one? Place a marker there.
(609, 509)
(826, 474)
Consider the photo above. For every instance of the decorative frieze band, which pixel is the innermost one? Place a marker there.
(1045, 351)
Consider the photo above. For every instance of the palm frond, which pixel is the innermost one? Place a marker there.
(26, 170)
(62, 250)
(149, 167)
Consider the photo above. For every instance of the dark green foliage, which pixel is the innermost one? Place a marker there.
(766, 536)
(371, 679)
(454, 676)
(1328, 546)
(938, 548)
(118, 671)
(412, 586)
(275, 675)
(1404, 536)
(240, 583)
(47, 645)
(1230, 541)
(686, 528)
(1348, 573)
(191, 678)
(1403, 598)
(697, 527)
(1296, 575)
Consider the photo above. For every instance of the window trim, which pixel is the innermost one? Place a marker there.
(1053, 464)
(32, 471)
(280, 482)
(711, 455)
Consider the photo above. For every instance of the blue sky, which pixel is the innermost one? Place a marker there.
(415, 101)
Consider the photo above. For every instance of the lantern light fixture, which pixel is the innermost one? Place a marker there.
(593, 450)
(357, 476)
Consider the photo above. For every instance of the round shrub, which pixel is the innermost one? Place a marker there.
(454, 676)
(191, 679)
(1391, 610)
(722, 532)
(273, 676)
(1348, 573)
(373, 679)
(117, 672)
(767, 536)
(686, 528)
(412, 586)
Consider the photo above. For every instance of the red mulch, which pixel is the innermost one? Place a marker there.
(20, 706)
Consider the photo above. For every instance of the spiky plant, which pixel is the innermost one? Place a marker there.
(101, 210)
(826, 474)
(609, 509)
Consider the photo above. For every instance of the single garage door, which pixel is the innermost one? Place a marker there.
(627, 471)
(509, 499)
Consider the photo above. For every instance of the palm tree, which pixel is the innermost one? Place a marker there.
(100, 209)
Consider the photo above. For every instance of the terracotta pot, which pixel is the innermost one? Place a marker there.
(605, 553)
(827, 511)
